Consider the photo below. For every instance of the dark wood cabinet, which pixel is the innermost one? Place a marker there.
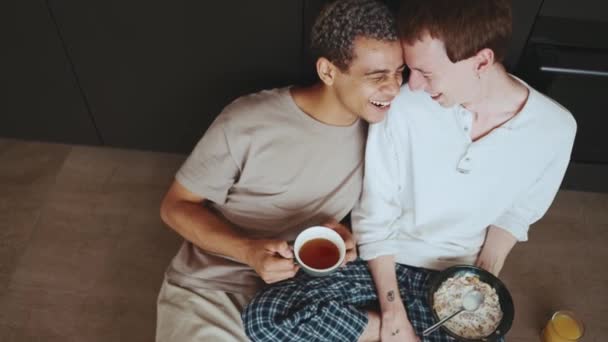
(524, 15)
(156, 73)
(591, 10)
(567, 58)
(40, 98)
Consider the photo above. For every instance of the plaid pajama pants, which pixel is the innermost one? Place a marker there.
(332, 308)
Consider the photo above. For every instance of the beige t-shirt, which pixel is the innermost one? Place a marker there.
(271, 170)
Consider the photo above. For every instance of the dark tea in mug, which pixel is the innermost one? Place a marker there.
(319, 253)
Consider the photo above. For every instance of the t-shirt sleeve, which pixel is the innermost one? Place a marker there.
(210, 170)
(375, 216)
(538, 198)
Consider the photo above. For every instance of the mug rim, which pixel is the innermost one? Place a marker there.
(341, 247)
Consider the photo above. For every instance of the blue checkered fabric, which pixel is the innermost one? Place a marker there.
(332, 308)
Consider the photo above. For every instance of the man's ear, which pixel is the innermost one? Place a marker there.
(483, 60)
(326, 71)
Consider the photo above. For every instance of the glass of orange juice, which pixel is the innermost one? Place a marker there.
(563, 327)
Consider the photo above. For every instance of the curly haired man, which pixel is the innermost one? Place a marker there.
(270, 165)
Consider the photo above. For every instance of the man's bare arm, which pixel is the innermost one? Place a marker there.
(189, 216)
(395, 325)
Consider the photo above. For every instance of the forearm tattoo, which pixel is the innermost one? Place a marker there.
(390, 295)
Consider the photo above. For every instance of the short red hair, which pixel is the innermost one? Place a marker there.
(464, 26)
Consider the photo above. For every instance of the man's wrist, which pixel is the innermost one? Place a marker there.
(391, 308)
(389, 317)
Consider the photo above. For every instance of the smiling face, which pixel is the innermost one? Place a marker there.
(432, 71)
(372, 80)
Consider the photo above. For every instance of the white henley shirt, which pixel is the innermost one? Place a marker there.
(430, 192)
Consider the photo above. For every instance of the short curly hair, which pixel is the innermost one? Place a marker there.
(342, 21)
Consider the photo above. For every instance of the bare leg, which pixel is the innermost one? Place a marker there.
(372, 330)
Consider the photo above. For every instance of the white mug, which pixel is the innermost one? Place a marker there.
(319, 232)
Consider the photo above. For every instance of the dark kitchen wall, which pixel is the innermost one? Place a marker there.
(153, 74)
